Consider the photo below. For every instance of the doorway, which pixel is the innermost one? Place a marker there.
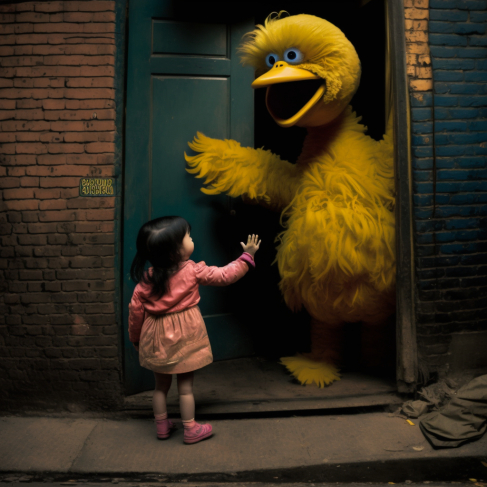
(266, 329)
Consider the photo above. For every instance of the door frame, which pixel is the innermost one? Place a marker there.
(119, 85)
(406, 355)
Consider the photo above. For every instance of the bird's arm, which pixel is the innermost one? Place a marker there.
(256, 174)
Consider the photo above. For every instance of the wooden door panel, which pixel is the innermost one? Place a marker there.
(183, 76)
(173, 37)
(180, 107)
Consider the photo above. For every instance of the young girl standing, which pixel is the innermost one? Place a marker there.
(165, 323)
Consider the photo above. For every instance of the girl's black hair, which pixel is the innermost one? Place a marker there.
(159, 242)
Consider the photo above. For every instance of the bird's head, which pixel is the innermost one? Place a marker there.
(310, 69)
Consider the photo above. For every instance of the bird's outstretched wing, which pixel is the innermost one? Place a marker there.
(230, 168)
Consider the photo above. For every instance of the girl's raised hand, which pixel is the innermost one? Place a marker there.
(252, 245)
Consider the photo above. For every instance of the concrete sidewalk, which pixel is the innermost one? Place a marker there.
(369, 447)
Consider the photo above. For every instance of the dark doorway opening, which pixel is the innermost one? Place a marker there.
(285, 332)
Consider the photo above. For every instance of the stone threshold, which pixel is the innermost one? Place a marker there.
(255, 385)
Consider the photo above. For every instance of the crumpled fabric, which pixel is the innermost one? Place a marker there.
(433, 398)
(415, 409)
(464, 419)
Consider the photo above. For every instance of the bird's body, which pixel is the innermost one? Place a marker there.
(336, 256)
(336, 252)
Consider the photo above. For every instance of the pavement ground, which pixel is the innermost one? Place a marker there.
(366, 447)
(266, 429)
(162, 483)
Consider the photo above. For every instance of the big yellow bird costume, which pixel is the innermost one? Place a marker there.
(336, 253)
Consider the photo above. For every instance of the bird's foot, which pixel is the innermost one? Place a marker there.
(308, 371)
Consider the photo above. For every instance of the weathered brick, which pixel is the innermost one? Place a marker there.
(52, 205)
(89, 104)
(57, 239)
(89, 137)
(78, 126)
(16, 171)
(21, 205)
(9, 182)
(416, 13)
(103, 215)
(82, 159)
(78, 16)
(58, 182)
(65, 148)
(425, 73)
(416, 36)
(29, 181)
(107, 202)
(99, 6)
(68, 193)
(51, 159)
(18, 194)
(97, 147)
(49, 6)
(417, 48)
(28, 137)
(47, 193)
(462, 28)
(42, 228)
(32, 239)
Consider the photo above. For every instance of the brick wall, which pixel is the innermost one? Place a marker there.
(58, 331)
(449, 141)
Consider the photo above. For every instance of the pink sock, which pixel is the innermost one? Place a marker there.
(189, 423)
(160, 417)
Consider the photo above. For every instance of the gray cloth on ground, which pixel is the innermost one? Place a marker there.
(463, 419)
(414, 409)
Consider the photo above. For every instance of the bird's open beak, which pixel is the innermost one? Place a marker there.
(281, 72)
(291, 92)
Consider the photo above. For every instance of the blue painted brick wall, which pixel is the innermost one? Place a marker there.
(449, 139)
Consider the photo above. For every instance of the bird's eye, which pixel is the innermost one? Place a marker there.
(293, 56)
(271, 59)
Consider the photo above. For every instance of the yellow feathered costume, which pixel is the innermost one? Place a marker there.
(336, 254)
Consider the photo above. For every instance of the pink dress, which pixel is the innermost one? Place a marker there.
(170, 331)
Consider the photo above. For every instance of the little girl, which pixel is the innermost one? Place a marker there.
(165, 323)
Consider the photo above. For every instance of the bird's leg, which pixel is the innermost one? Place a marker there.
(320, 365)
(378, 347)
(327, 341)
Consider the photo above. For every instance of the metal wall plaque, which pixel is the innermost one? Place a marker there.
(97, 187)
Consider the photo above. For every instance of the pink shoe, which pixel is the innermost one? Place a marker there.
(197, 433)
(164, 428)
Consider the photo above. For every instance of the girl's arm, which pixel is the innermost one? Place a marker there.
(136, 318)
(223, 276)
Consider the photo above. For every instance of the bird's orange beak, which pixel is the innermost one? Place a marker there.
(281, 72)
(288, 103)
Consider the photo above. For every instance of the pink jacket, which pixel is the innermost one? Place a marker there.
(183, 290)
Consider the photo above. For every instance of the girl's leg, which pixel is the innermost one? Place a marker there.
(186, 398)
(164, 426)
(163, 383)
(193, 432)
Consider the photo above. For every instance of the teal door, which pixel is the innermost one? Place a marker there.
(184, 76)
